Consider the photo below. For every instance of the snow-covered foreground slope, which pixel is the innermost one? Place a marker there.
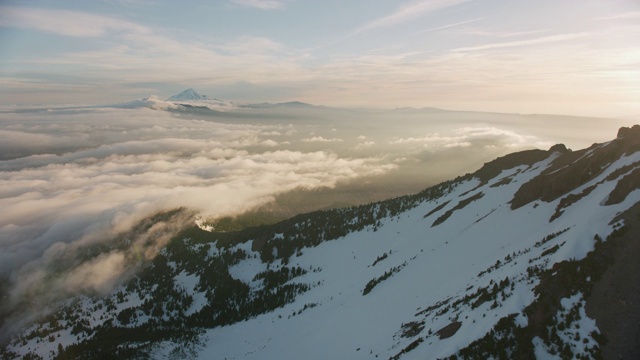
(438, 266)
(490, 264)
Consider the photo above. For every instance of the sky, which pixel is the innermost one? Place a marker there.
(544, 56)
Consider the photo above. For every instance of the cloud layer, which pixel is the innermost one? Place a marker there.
(260, 4)
(80, 179)
(65, 22)
(487, 136)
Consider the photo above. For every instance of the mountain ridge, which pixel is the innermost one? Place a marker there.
(490, 279)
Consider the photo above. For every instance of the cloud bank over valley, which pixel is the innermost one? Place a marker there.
(88, 194)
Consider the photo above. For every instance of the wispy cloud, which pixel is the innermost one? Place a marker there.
(130, 45)
(114, 58)
(502, 34)
(260, 4)
(408, 12)
(135, 53)
(536, 41)
(468, 136)
(321, 139)
(449, 25)
(250, 44)
(623, 16)
(65, 22)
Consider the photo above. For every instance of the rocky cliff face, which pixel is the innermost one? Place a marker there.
(574, 169)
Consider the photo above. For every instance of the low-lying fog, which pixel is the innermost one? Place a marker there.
(74, 178)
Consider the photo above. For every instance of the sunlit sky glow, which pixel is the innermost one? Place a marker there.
(543, 56)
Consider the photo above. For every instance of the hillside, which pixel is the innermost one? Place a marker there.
(532, 256)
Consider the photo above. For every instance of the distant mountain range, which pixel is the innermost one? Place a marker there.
(535, 255)
(191, 100)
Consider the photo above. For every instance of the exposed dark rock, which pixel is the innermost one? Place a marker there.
(625, 131)
(412, 329)
(624, 186)
(573, 169)
(569, 200)
(493, 168)
(503, 181)
(437, 208)
(449, 330)
(561, 148)
(460, 205)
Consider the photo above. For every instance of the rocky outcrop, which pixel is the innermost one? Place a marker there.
(632, 131)
(561, 148)
(491, 169)
(574, 169)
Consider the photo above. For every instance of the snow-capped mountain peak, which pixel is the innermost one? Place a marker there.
(190, 99)
(189, 95)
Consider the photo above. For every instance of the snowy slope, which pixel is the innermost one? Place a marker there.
(442, 263)
(452, 270)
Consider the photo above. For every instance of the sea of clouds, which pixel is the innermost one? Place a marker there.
(72, 178)
(76, 183)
